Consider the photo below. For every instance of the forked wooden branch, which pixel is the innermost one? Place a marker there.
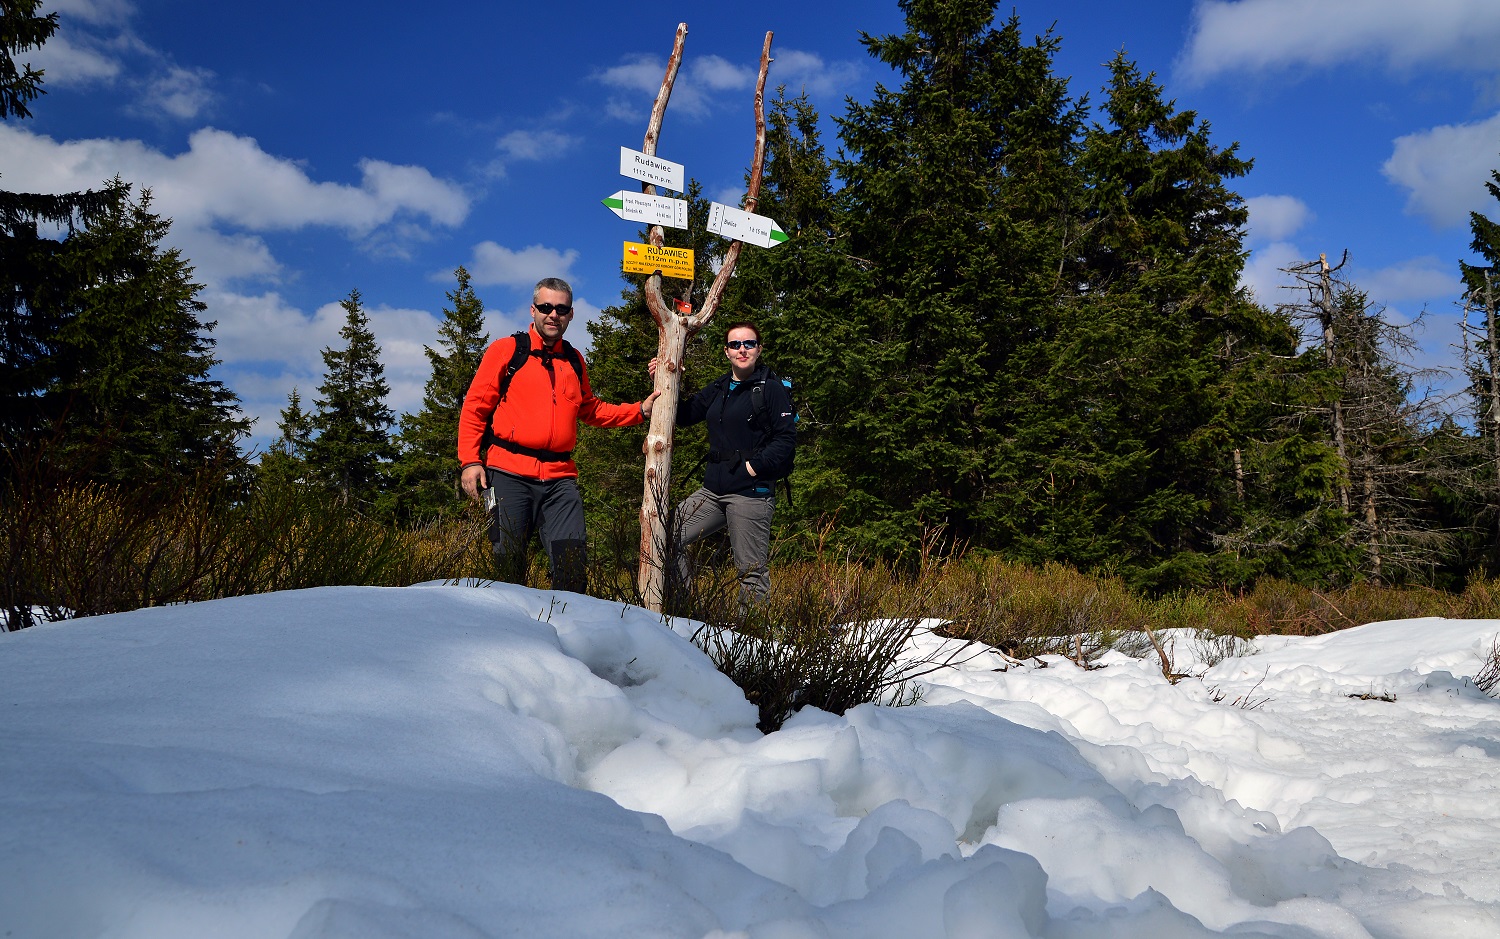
(660, 310)
(674, 328)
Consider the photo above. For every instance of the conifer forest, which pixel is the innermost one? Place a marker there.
(1013, 317)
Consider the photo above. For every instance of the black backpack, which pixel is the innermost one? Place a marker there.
(762, 412)
(523, 350)
(517, 359)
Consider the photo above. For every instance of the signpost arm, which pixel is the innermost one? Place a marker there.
(660, 310)
(674, 331)
(752, 195)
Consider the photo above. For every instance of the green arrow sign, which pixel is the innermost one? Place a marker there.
(744, 226)
(652, 210)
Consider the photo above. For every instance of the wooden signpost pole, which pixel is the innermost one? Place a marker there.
(674, 329)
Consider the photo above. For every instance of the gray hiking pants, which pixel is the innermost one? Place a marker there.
(748, 519)
(551, 508)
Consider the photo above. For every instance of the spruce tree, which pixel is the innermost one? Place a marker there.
(134, 360)
(1134, 425)
(796, 290)
(33, 289)
(352, 448)
(957, 200)
(1482, 363)
(424, 478)
(286, 462)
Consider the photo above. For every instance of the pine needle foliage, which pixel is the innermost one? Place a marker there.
(352, 448)
(424, 478)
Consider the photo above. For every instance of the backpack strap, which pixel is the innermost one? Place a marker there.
(574, 359)
(758, 404)
(517, 359)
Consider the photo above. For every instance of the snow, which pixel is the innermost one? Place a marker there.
(440, 761)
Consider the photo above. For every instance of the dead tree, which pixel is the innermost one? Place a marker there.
(675, 327)
(1380, 420)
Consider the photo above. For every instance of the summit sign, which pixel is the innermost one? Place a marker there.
(649, 259)
(653, 170)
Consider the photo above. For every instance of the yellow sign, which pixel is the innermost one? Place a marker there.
(648, 259)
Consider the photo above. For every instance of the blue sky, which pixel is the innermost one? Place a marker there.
(304, 149)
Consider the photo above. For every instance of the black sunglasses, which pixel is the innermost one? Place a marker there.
(742, 343)
(563, 309)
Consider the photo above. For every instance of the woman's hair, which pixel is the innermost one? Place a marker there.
(742, 324)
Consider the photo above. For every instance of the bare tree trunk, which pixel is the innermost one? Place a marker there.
(1330, 351)
(1494, 363)
(674, 330)
(1372, 522)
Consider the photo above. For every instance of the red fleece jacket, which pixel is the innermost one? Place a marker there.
(541, 411)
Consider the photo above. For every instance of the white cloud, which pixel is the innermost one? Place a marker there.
(641, 72)
(1423, 278)
(97, 12)
(268, 348)
(729, 195)
(1445, 169)
(1261, 35)
(1262, 273)
(402, 334)
(264, 329)
(496, 264)
(720, 74)
(71, 61)
(1276, 218)
(639, 78)
(535, 144)
(806, 71)
(226, 181)
(96, 44)
(584, 313)
(218, 258)
(414, 189)
(179, 92)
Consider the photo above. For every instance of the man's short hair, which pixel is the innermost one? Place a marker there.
(552, 283)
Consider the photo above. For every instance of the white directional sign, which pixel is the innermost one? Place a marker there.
(654, 170)
(743, 226)
(653, 210)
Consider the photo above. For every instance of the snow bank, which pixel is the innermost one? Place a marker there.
(448, 761)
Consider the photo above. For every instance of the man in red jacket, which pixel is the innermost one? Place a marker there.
(531, 432)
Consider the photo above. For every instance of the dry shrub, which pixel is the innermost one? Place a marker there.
(835, 633)
(72, 549)
(1280, 607)
(1488, 678)
(80, 549)
(1480, 599)
(1026, 611)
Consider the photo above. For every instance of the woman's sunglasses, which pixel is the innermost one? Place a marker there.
(742, 343)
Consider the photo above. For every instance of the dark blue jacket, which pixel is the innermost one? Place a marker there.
(734, 436)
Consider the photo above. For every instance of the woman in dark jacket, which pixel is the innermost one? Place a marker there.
(750, 448)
